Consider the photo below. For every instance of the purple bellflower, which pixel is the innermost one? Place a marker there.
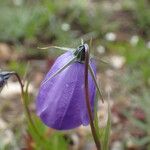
(61, 99)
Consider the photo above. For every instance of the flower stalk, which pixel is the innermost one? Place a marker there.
(24, 96)
(87, 97)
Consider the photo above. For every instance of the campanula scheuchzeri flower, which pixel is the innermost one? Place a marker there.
(61, 99)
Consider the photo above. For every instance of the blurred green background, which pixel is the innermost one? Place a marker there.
(120, 32)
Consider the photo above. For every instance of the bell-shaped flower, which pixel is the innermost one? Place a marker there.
(61, 99)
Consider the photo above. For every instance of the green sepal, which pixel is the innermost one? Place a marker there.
(60, 70)
(57, 47)
(94, 79)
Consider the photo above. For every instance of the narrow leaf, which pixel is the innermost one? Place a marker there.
(60, 70)
(96, 118)
(57, 47)
(101, 60)
(94, 79)
(107, 131)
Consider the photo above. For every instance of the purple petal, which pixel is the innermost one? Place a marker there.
(61, 101)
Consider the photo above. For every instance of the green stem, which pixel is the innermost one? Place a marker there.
(23, 93)
(94, 134)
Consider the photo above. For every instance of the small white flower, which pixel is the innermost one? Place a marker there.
(101, 49)
(148, 44)
(65, 27)
(110, 36)
(18, 2)
(117, 61)
(134, 40)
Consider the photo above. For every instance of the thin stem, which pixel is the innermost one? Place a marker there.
(94, 134)
(26, 105)
(20, 82)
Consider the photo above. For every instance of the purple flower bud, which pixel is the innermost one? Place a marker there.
(61, 100)
(4, 76)
(2, 81)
